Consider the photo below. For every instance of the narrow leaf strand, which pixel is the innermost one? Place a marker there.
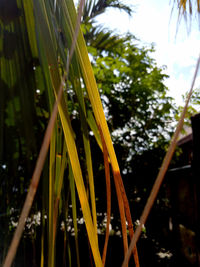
(108, 195)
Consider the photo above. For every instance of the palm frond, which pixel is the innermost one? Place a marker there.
(187, 8)
(102, 38)
(94, 8)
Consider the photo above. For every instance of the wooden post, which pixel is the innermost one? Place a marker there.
(196, 172)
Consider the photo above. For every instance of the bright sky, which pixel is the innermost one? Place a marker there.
(152, 23)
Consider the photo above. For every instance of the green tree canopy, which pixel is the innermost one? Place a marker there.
(139, 111)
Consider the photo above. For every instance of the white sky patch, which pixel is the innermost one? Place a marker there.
(152, 23)
(178, 85)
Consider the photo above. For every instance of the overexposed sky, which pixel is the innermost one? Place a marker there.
(152, 23)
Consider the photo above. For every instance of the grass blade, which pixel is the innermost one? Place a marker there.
(74, 213)
(82, 111)
(108, 194)
(51, 200)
